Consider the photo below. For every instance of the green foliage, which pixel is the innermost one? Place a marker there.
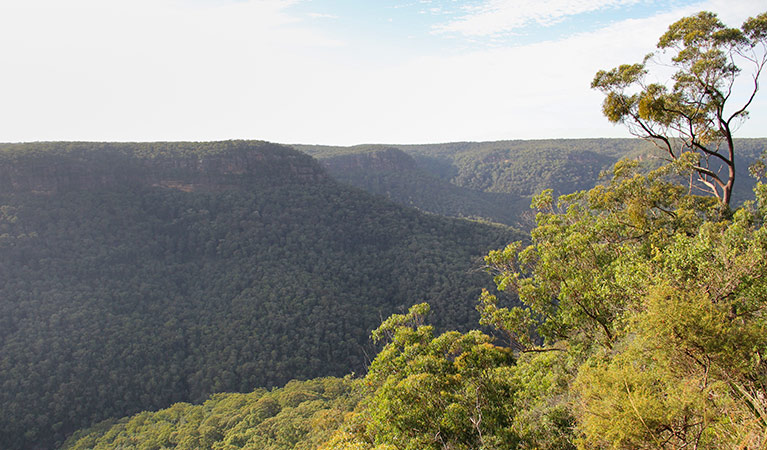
(296, 417)
(689, 368)
(458, 391)
(657, 304)
(429, 392)
(584, 263)
(392, 173)
(541, 396)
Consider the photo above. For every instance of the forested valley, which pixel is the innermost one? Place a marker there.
(495, 181)
(632, 318)
(135, 276)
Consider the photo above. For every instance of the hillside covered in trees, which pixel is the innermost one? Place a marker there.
(495, 181)
(642, 326)
(135, 276)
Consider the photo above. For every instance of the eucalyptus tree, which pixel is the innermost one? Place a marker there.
(693, 116)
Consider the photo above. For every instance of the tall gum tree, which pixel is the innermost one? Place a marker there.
(693, 116)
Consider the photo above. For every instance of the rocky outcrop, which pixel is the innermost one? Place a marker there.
(384, 159)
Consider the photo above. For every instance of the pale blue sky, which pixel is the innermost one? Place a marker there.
(451, 25)
(325, 71)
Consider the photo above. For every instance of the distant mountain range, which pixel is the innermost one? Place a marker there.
(495, 180)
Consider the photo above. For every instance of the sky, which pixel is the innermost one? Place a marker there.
(335, 72)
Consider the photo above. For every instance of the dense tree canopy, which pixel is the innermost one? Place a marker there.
(661, 304)
(198, 269)
(642, 326)
(296, 417)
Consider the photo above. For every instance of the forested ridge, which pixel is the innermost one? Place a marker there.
(495, 181)
(390, 172)
(135, 276)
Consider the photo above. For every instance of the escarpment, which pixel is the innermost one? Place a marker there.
(59, 167)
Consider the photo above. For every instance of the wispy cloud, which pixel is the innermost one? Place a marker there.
(504, 16)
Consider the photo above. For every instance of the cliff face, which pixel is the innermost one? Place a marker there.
(57, 167)
(383, 160)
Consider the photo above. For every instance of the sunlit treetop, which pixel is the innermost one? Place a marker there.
(715, 79)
